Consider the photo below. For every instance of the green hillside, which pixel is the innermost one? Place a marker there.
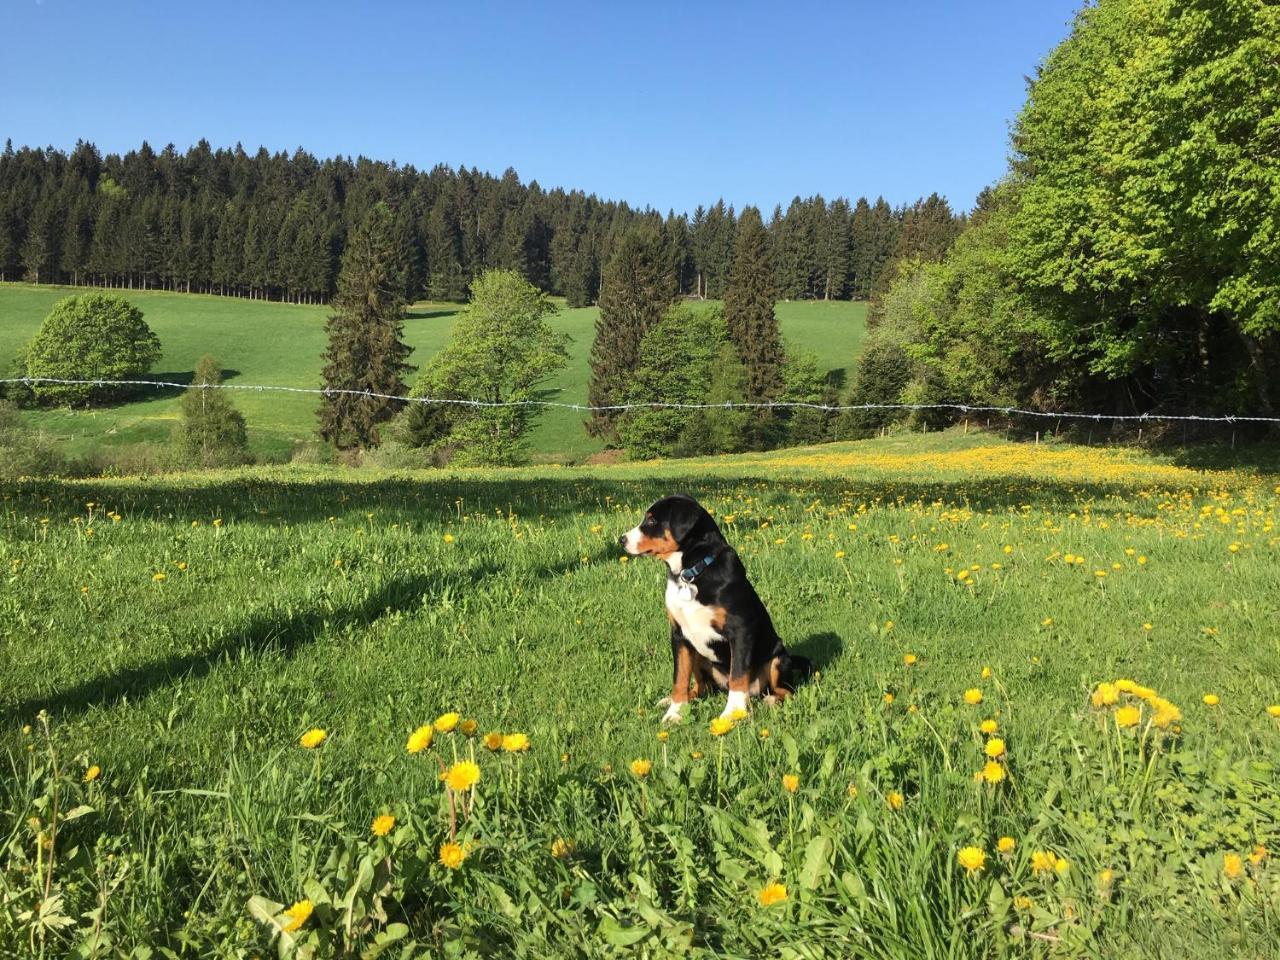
(280, 345)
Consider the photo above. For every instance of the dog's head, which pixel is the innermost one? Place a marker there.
(669, 525)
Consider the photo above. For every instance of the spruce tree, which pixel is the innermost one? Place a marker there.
(210, 432)
(638, 287)
(748, 309)
(366, 351)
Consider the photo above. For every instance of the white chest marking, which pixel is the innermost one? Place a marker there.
(693, 619)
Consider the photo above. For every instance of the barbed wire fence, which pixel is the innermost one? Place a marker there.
(653, 405)
(959, 408)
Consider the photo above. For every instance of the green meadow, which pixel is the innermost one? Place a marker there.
(279, 344)
(1040, 726)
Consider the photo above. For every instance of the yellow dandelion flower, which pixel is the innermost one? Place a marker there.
(1128, 716)
(764, 733)
(720, 726)
(1274, 710)
(790, 782)
(973, 696)
(888, 698)
(515, 742)
(1042, 861)
(1047, 622)
(1061, 865)
(462, 776)
(297, 916)
(663, 736)
(839, 554)
(1232, 866)
(739, 714)
(420, 739)
(1006, 844)
(1105, 695)
(696, 754)
(995, 748)
(382, 825)
(92, 773)
(452, 854)
(992, 772)
(1211, 700)
(773, 893)
(493, 740)
(986, 673)
(468, 728)
(446, 722)
(1148, 626)
(160, 577)
(448, 538)
(972, 859)
(852, 791)
(1125, 686)
(895, 800)
(312, 738)
(1105, 879)
(641, 768)
(909, 659)
(561, 848)
(1258, 855)
(988, 726)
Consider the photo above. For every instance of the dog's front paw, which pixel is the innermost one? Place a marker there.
(770, 700)
(736, 707)
(664, 702)
(674, 713)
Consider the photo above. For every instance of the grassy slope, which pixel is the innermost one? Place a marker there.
(280, 344)
(334, 599)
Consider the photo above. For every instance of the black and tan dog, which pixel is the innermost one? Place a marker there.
(721, 634)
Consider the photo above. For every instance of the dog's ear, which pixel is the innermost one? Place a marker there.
(685, 516)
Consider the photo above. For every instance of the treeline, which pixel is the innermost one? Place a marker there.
(275, 226)
(1129, 263)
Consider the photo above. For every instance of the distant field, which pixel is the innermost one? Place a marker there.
(280, 344)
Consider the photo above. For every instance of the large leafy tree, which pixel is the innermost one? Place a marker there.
(94, 336)
(1147, 229)
(502, 349)
(366, 352)
(638, 287)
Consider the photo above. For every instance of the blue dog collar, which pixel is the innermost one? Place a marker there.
(689, 573)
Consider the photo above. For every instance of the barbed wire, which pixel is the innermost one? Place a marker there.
(654, 405)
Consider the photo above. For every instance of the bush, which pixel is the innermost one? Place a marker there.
(23, 452)
(211, 430)
(93, 336)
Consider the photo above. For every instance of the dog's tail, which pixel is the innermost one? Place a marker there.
(797, 669)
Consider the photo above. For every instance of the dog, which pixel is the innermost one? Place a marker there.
(721, 633)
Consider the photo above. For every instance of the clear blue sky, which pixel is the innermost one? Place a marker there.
(660, 104)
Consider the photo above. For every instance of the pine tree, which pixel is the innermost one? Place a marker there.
(638, 287)
(366, 351)
(748, 309)
(210, 431)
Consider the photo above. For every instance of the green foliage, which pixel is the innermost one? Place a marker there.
(25, 452)
(366, 352)
(88, 337)
(682, 360)
(1145, 229)
(210, 431)
(748, 310)
(502, 350)
(638, 287)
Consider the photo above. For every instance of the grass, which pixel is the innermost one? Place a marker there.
(280, 345)
(367, 604)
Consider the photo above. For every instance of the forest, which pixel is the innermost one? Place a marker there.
(274, 226)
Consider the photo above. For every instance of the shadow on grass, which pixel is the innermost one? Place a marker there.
(821, 648)
(429, 497)
(432, 314)
(269, 631)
